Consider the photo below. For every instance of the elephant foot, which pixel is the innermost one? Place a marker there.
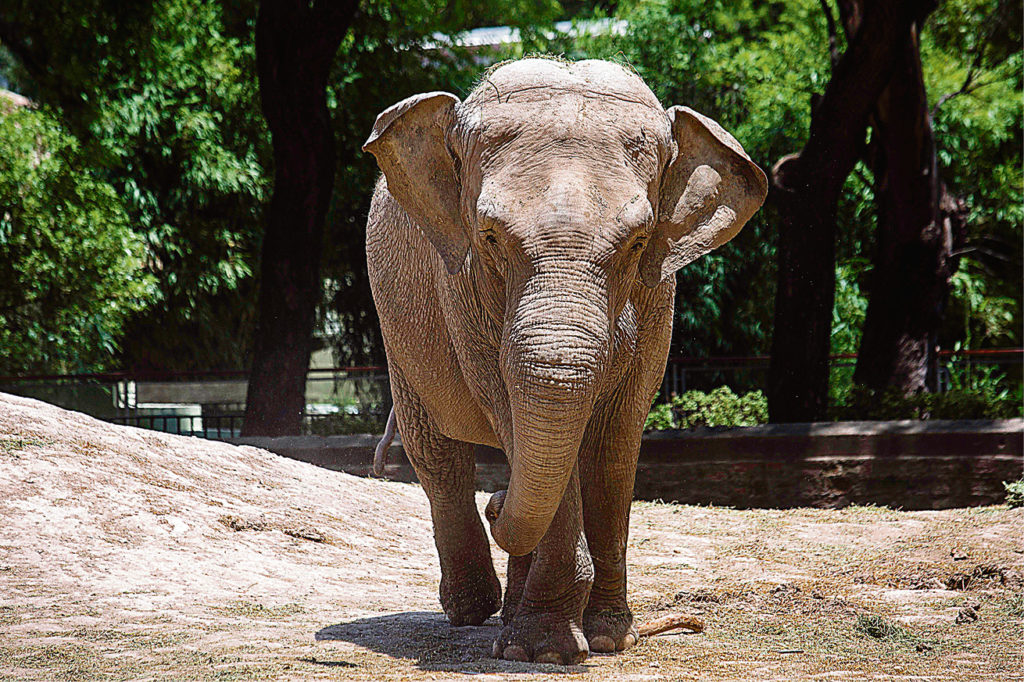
(471, 600)
(541, 638)
(609, 630)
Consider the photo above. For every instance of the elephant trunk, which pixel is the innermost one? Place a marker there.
(556, 346)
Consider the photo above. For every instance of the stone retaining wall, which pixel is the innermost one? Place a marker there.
(906, 464)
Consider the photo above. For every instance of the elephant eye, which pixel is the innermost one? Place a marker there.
(491, 239)
(638, 245)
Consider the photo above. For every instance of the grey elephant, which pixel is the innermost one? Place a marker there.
(522, 246)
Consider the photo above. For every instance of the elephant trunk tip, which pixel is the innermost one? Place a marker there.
(513, 543)
(494, 505)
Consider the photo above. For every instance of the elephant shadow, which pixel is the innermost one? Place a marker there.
(435, 645)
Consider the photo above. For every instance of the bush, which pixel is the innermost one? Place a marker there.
(1015, 493)
(960, 403)
(720, 407)
(346, 424)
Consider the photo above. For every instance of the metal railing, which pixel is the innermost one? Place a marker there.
(211, 403)
(750, 372)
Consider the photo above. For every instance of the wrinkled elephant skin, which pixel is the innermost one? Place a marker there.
(522, 248)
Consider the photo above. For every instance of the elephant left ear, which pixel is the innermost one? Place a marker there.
(709, 191)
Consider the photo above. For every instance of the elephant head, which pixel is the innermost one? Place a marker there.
(560, 187)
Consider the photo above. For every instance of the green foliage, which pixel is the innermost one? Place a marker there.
(848, 315)
(985, 320)
(720, 407)
(345, 424)
(1015, 497)
(163, 98)
(660, 418)
(877, 627)
(973, 66)
(71, 269)
(958, 403)
(179, 131)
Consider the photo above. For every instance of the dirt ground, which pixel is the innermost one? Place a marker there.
(131, 554)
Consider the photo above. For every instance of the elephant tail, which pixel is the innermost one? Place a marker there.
(380, 455)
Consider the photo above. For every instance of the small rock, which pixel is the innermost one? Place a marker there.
(958, 554)
(924, 646)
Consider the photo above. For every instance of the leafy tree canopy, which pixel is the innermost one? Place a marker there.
(163, 100)
(71, 268)
(159, 101)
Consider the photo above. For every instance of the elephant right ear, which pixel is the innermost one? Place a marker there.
(408, 140)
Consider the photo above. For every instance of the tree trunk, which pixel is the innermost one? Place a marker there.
(909, 282)
(295, 45)
(805, 188)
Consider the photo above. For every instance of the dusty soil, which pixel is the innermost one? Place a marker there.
(131, 554)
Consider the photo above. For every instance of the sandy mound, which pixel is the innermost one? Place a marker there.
(128, 554)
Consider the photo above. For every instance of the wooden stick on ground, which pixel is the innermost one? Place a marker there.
(672, 621)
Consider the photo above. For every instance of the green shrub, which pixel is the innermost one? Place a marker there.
(660, 418)
(879, 628)
(720, 407)
(1015, 493)
(959, 403)
(346, 424)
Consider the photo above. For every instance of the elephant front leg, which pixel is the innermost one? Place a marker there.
(608, 469)
(469, 590)
(547, 623)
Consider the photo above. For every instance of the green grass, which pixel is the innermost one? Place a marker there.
(877, 627)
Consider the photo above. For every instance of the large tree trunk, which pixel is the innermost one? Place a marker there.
(806, 187)
(295, 45)
(909, 283)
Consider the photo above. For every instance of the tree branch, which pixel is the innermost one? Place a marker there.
(833, 46)
(972, 70)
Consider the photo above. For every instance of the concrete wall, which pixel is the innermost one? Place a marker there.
(908, 464)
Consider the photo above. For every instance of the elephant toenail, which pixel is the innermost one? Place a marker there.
(549, 657)
(514, 652)
(602, 644)
(628, 641)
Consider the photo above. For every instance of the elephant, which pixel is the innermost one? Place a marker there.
(522, 246)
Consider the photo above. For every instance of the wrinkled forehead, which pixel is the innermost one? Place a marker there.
(559, 106)
(538, 79)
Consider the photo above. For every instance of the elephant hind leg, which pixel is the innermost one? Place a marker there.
(470, 591)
